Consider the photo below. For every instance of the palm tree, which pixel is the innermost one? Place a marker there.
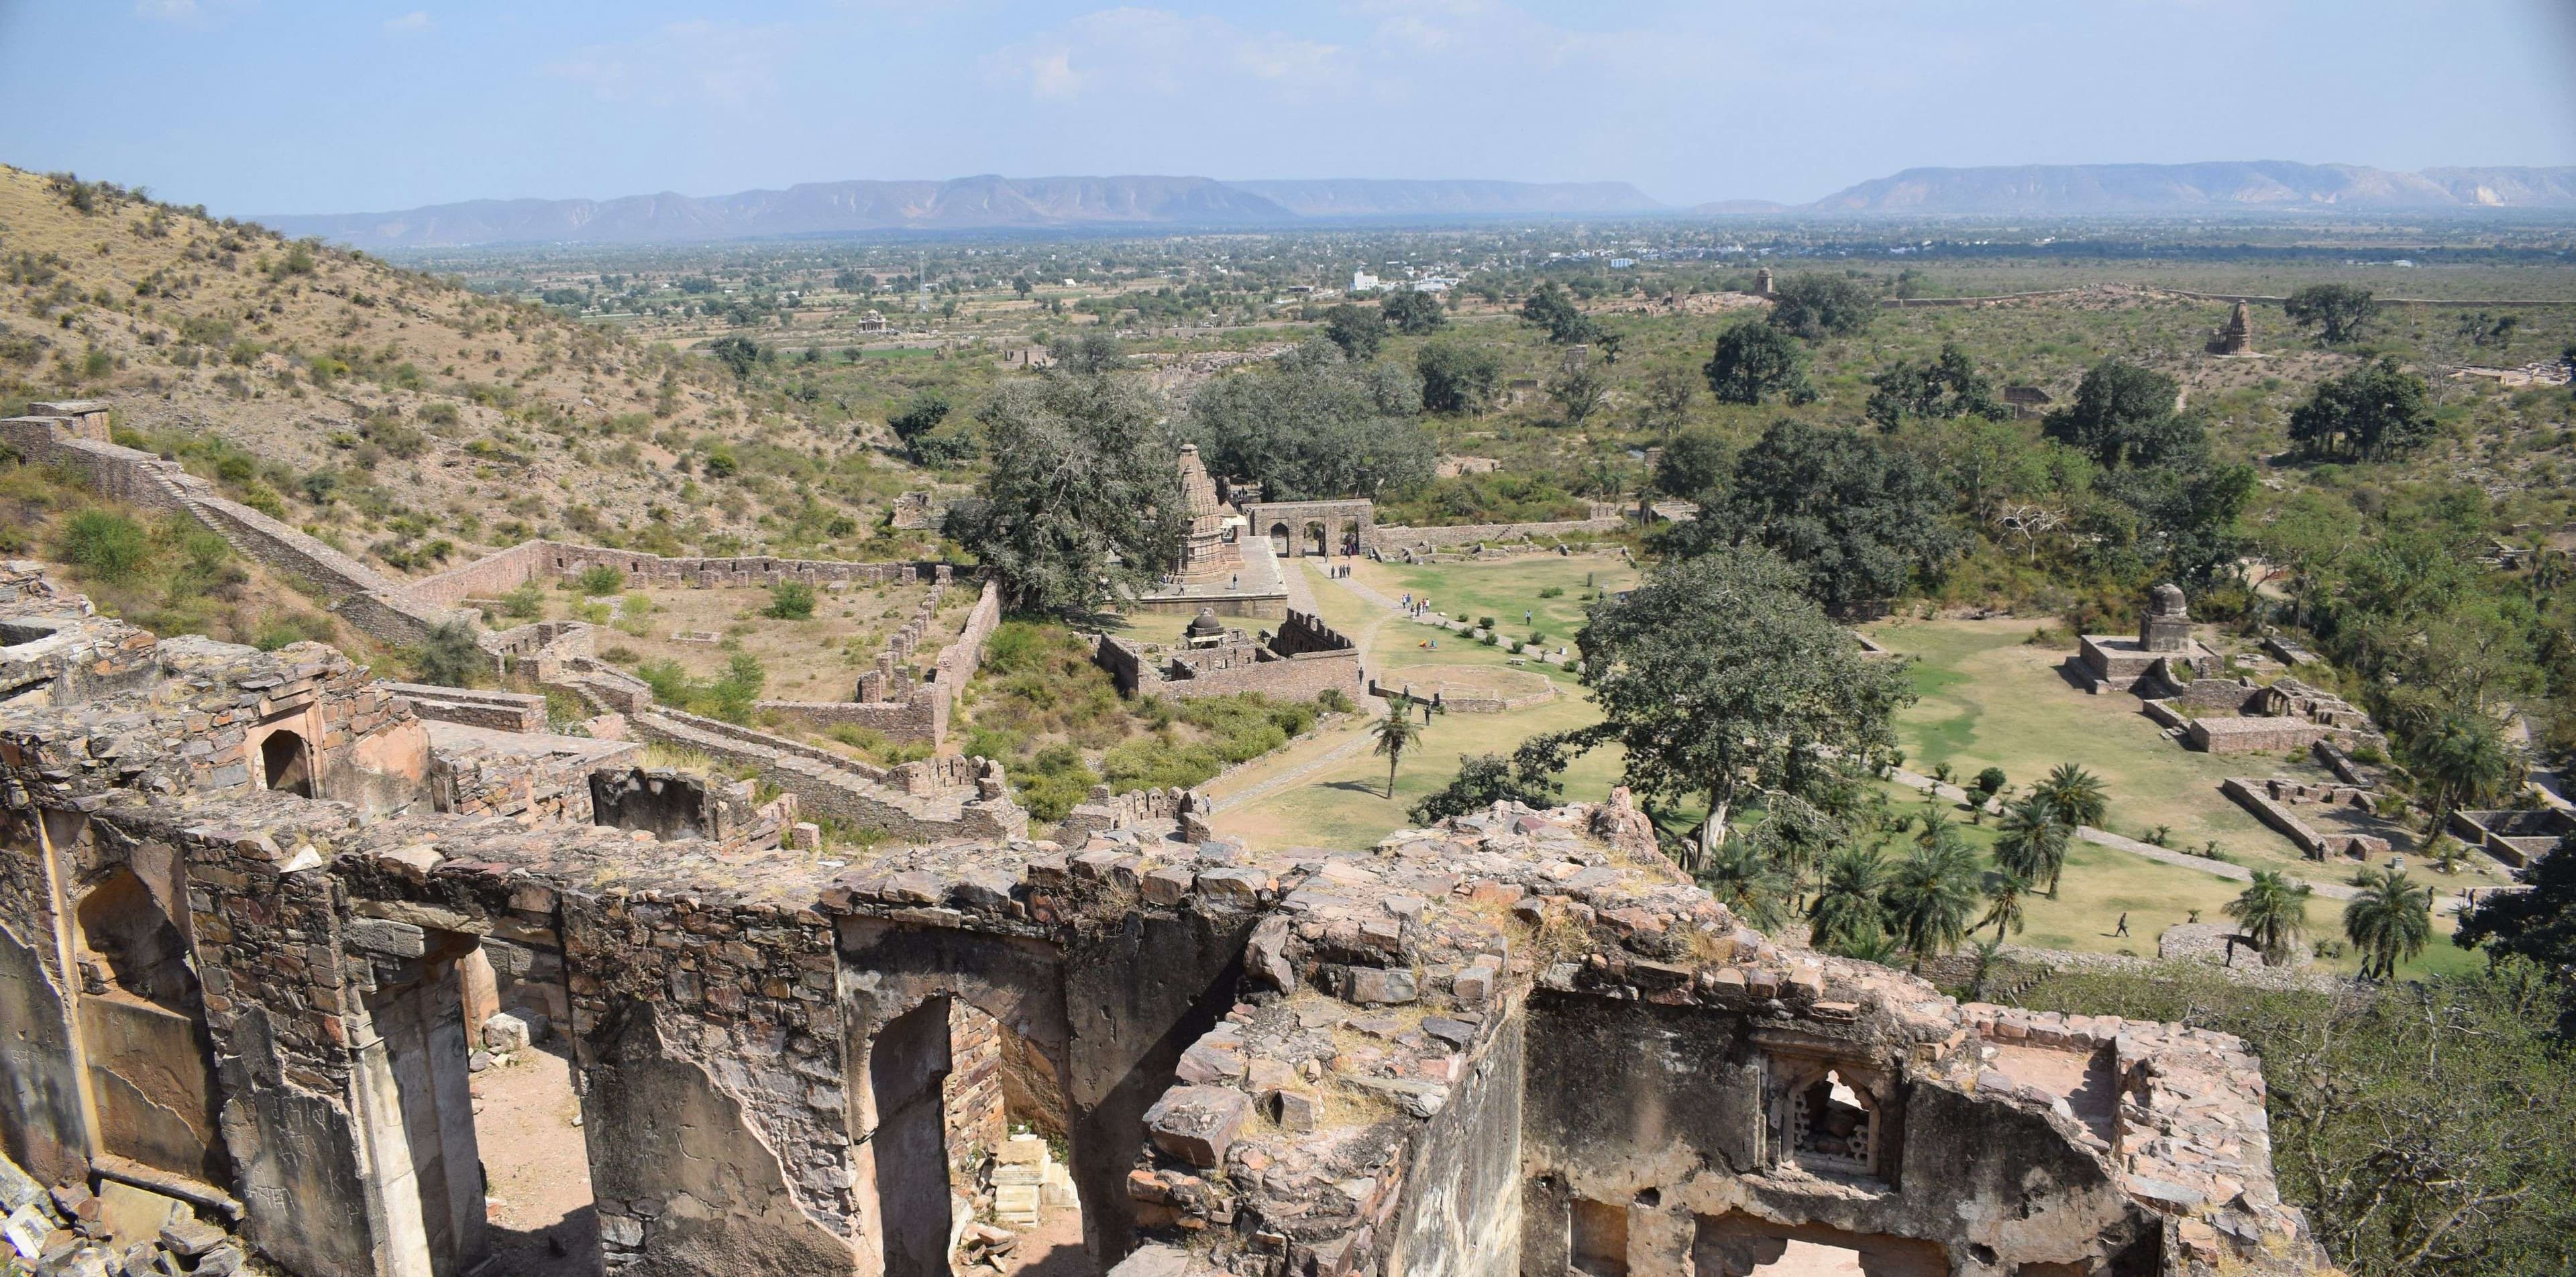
(2033, 841)
(1846, 905)
(2076, 793)
(2389, 922)
(1873, 945)
(1937, 827)
(1930, 896)
(2272, 913)
(2005, 894)
(2467, 759)
(1394, 734)
(1746, 882)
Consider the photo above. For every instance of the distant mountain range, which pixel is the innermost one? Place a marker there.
(1007, 203)
(966, 203)
(2264, 186)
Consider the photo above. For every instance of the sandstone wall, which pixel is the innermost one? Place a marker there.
(1391, 537)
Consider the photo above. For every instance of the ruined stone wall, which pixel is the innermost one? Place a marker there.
(971, 1095)
(1464, 1193)
(839, 788)
(376, 605)
(506, 570)
(500, 711)
(1389, 538)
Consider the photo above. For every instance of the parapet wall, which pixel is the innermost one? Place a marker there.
(499, 573)
(1392, 537)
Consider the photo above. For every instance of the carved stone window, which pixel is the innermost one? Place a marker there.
(1834, 1126)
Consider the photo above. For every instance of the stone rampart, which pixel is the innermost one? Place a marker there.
(1389, 538)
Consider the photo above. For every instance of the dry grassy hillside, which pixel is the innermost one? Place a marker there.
(404, 418)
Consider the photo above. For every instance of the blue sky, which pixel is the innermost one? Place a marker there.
(254, 106)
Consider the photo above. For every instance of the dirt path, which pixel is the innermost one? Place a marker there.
(536, 1168)
(1359, 741)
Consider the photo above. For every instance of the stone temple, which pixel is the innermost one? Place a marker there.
(256, 908)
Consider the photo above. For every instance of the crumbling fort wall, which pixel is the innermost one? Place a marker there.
(239, 983)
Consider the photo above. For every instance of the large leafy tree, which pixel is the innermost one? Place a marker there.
(1755, 361)
(2272, 913)
(1860, 517)
(2538, 923)
(1720, 680)
(2372, 413)
(2389, 922)
(1553, 309)
(1083, 502)
(2338, 312)
(1412, 313)
(1815, 305)
(2123, 414)
(1358, 330)
(1313, 424)
(1696, 465)
(1457, 380)
(1934, 390)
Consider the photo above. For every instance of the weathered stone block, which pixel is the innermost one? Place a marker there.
(1381, 986)
(1198, 1123)
(385, 936)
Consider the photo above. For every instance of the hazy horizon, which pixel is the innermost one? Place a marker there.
(288, 107)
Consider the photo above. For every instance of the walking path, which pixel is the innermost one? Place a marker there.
(1301, 586)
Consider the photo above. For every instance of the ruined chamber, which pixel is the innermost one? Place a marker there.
(259, 913)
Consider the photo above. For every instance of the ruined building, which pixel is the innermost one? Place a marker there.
(253, 906)
(2236, 336)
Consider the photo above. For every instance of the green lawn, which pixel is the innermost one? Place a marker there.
(1344, 805)
(1506, 590)
(1990, 698)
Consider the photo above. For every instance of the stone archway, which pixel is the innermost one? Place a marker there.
(1316, 541)
(1279, 539)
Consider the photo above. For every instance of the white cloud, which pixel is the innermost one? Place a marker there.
(412, 23)
(718, 64)
(1156, 53)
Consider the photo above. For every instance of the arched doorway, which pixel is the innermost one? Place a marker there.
(150, 1060)
(285, 764)
(908, 1067)
(1316, 543)
(1279, 539)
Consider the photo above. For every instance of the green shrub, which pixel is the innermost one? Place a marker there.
(1054, 782)
(598, 579)
(106, 545)
(448, 656)
(1552, 592)
(1334, 700)
(524, 602)
(1484, 622)
(790, 601)
(296, 627)
(1154, 762)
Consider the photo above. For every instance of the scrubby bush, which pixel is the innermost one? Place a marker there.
(106, 545)
(790, 601)
(599, 579)
(448, 656)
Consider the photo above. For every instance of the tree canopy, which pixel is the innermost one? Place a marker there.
(1721, 680)
(2338, 312)
(1313, 424)
(1358, 330)
(1756, 361)
(1083, 502)
(1411, 313)
(1935, 390)
(1857, 517)
(1814, 305)
(1553, 309)
(2123, 415)
(2372, 413)
(1457, 379)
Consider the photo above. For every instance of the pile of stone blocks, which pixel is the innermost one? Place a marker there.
(1028, 1181)
(121, 1230)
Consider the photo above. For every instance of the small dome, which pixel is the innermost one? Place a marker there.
(1206, 625)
